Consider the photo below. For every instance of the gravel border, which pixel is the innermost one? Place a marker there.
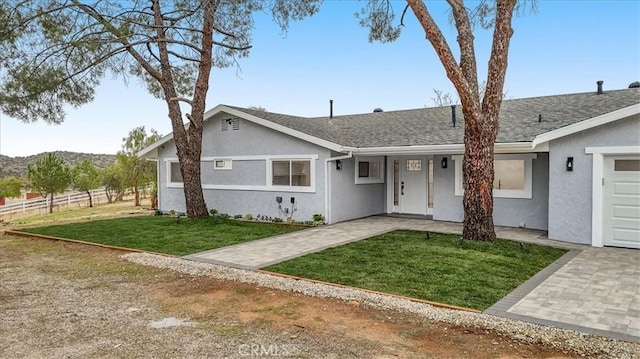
(562, 339)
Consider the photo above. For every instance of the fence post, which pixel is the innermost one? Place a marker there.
(24, 207)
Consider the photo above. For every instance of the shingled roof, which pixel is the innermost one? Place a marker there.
(432, 126)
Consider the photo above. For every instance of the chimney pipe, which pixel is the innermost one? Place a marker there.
(330, 108)
(453, 115)
(600, 87)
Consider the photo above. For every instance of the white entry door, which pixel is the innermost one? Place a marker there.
(621, 212)
(409, 185)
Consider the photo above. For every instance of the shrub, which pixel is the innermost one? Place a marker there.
(224, 215)
(213, 211)
(237, 216)
(318, 218)
(248, 216)
(158, 213)
(277, 220)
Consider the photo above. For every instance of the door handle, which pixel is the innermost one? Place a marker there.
(402, 188)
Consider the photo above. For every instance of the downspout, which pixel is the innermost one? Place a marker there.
(327, 178)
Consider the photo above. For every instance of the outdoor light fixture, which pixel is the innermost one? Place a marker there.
(569, 164)
(443, 163)
(338, 165)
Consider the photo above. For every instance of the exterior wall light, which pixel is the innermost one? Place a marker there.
(443, 163)
(338, 165)
(569, 164)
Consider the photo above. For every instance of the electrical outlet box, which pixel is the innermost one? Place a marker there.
(279, 199)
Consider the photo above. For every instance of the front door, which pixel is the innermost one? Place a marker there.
(409, 187)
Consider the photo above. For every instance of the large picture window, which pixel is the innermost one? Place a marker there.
(513, 175)
(291, 173)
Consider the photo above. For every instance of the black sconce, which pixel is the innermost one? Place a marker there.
(279, 199)
(569, 164)
(443, 163)
(338, 165)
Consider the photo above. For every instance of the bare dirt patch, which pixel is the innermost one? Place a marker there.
(67, 300)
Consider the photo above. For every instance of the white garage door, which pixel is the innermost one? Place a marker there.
(621, 227)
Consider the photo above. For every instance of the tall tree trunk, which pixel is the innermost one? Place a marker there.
(478, 174)
(90, 199)
(51, 202)
(136, 192)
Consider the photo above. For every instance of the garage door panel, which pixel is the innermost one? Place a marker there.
(626, 201)
(626, 223)
(622, 211)
(625, 236)
(626, 188)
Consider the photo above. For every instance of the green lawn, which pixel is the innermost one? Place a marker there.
(473, 275)
(162, 234)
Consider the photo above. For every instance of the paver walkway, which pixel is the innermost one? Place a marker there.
(595, 291)
(264, 252)
(591, 290)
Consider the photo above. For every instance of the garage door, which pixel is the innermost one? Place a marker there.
(621, 227)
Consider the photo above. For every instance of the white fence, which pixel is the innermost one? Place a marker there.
(41, 205)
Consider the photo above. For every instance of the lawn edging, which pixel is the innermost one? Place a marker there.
(107, 246)
(416, 300)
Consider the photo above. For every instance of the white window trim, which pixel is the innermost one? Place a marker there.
(267, 187)
(368, 180)
(597, 187)
(526, 193)
(227, 163)
(312, 175)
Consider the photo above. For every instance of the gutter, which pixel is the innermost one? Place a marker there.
(327, 202)
(451, 149)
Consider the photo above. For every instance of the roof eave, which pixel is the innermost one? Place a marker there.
(450, 149)
(587, 124)
(148, 151)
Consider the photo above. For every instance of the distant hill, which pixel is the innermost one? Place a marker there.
(17, 166)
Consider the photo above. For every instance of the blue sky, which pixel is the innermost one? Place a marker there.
(564, 48)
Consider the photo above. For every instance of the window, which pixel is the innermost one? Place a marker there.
(626, 165)
(175, 176)
(291, 173)
(513, 176)
(369, 170)
(414, 165)
(222, 164)
(509, 174)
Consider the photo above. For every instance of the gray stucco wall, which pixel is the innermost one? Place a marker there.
(570, 192)
(250, 140)
(350, 200)
(510, 212)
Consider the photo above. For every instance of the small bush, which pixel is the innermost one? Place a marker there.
(237, 216)
(277, 220)
(171, 213)
(158, 213)
(224, 215)
(318, 218)
(248, 216)
(213, 212)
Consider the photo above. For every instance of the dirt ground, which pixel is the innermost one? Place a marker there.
(62, 300)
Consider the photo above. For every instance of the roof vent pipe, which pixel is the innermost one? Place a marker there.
(330, 108)
(378, 109)
(600, 87)
(453, 115)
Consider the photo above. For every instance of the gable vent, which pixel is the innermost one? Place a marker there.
(234, 123)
